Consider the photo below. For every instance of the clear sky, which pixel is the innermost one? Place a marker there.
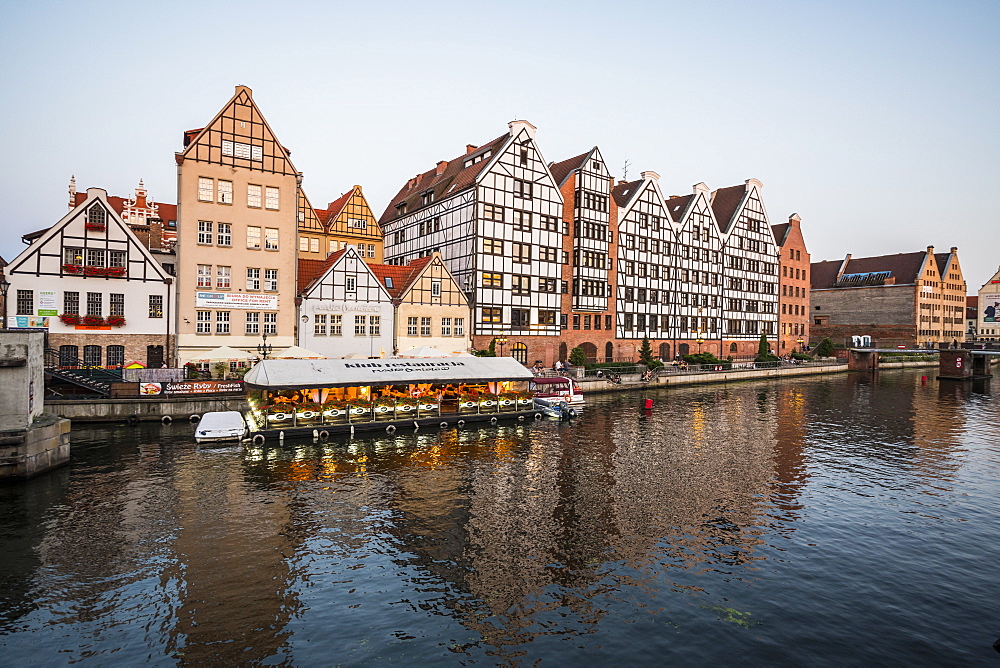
(875, 121)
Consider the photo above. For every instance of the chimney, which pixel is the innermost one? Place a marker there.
(754, 182)
(930, 250)
(469, 148)
(700, 188)
(244, 88)
(794, 220)
(653, 176)
(954, 249)
(441, 166)
(155, 234)
(517, 126)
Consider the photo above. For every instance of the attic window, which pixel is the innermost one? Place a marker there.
(401, 208)
(96, 218)
(388, 281)
(427, 197)
(596, 166)
(469, 162)
(235, 149)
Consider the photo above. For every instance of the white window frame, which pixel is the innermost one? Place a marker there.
(253, 195)
(225, 191)
(206, 189)
(272, 198)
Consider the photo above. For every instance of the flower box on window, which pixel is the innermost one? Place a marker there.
(73, 268)
(115, 321)
(70, 318)
(95, 227)
(92, 321)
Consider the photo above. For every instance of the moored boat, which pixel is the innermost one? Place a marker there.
(329, 396)
(218, 426)
(557, 388)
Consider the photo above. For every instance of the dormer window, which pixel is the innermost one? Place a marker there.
(401, 208)
(427, 197)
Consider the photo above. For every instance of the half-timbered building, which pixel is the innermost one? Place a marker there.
(750, 258)
(430, 307)
(495, 215)
(238, 202)
(793, 298)
(344, 307)
(346, 220)
(95, 287)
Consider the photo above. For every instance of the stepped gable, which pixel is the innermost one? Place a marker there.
(454, 178)
(402, 276)
(561, 170)
(625, 191)
(726, 204)
(312, 270)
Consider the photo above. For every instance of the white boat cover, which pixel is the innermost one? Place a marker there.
(293, 374)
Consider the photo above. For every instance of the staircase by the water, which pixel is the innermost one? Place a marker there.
(73, 370)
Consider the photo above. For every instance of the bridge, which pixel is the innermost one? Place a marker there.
(953, 363)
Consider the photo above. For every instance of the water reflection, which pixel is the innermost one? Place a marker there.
(506, 544)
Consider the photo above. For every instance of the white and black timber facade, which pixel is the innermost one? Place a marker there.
(495, 215)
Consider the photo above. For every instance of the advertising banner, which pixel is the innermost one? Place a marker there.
(29, 321)
(990, 304)
(189, 387)
(236, 300)
(47, 305)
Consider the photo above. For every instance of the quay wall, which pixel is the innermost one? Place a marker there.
(123, 410)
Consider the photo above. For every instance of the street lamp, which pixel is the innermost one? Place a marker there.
(4, 287)
(501, 341)
(800, 342)
(263, 349)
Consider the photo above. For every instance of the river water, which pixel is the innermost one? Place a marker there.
(841, 520)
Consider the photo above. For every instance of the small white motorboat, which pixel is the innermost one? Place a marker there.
(220, 426)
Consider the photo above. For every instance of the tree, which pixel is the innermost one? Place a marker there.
(763, 348)
(646, 352)
(577, 357)
(493, 347)
(825, 348)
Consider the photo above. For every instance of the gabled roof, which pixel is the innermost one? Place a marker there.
(726, 204)
(904, 268)
(402, 276)
(165, 212)
(677, 206)
(625, 191)
(561, 170)
(313, 270)
(780, 232)
(333, 209)
(942, 262)
(453, 178)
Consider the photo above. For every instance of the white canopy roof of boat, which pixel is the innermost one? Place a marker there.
(296, 374)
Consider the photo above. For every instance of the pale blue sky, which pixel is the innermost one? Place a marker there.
(875, 121)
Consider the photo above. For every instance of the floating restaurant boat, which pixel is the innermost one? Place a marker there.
(303, 397)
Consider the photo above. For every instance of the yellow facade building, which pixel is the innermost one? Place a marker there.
(346, 220)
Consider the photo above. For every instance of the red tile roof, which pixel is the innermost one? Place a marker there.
(625, 191)
(402, 276)
(726, 203)
(454, 178)
(333, 209)
(903, 267)
(677, 206)
(780, 232)
(312, 270)
(561, 170)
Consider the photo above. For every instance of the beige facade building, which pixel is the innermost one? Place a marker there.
(898, 300)
(988, 324)
(238, 198)
(430, 307)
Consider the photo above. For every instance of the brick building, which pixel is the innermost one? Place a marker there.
(793, 296)
(907, 299)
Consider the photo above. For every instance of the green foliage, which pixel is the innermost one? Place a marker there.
(708, 358)
(801, 356)
(646, 352)
(577, 357)
(763, 349)
(825, 348)
(220, 369)
(655, 364)
(484, 353)
(492, 349)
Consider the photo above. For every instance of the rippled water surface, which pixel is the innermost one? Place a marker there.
(846, 520)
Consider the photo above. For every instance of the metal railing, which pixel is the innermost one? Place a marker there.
(73, 370)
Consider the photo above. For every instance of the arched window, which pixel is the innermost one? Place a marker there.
(68, 355)
(732, 347)
(665, 352)
(519, 351)
(609, 352)
(590, 350)
(116, 356)
(92, 355)
(683, 349)
(563, 352)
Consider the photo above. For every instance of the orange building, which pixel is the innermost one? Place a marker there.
(793, 295)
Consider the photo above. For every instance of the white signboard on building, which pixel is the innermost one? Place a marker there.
(240, 300)
(47, 304)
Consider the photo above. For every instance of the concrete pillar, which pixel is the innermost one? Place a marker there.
(866, 360)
